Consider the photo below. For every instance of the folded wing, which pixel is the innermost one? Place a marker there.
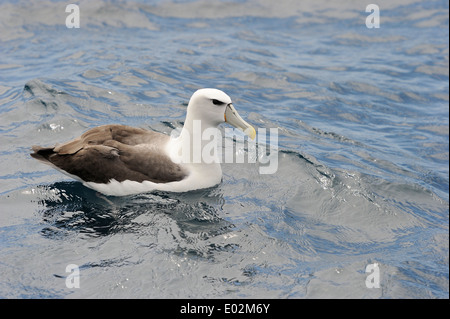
(116, 152)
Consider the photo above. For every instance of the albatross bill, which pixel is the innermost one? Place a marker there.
(121, 160)
(232, 117)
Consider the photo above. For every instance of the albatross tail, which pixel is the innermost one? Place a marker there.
(42, 153)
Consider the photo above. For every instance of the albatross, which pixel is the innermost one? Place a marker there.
(119, 160)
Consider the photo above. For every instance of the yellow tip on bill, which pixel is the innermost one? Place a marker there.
(250, 131)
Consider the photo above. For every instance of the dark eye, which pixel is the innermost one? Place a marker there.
(217, 102)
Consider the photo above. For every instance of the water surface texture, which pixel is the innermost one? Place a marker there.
(363, 140)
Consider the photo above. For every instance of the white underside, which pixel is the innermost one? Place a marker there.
(199, 177)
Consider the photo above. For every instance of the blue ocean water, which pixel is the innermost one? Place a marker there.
(363, 138)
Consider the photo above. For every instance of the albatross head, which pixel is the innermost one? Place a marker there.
(213, 107)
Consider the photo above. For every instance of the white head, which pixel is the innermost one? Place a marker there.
(214, 107)
(208, 105)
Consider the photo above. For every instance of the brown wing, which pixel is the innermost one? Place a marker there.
(114, 152)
